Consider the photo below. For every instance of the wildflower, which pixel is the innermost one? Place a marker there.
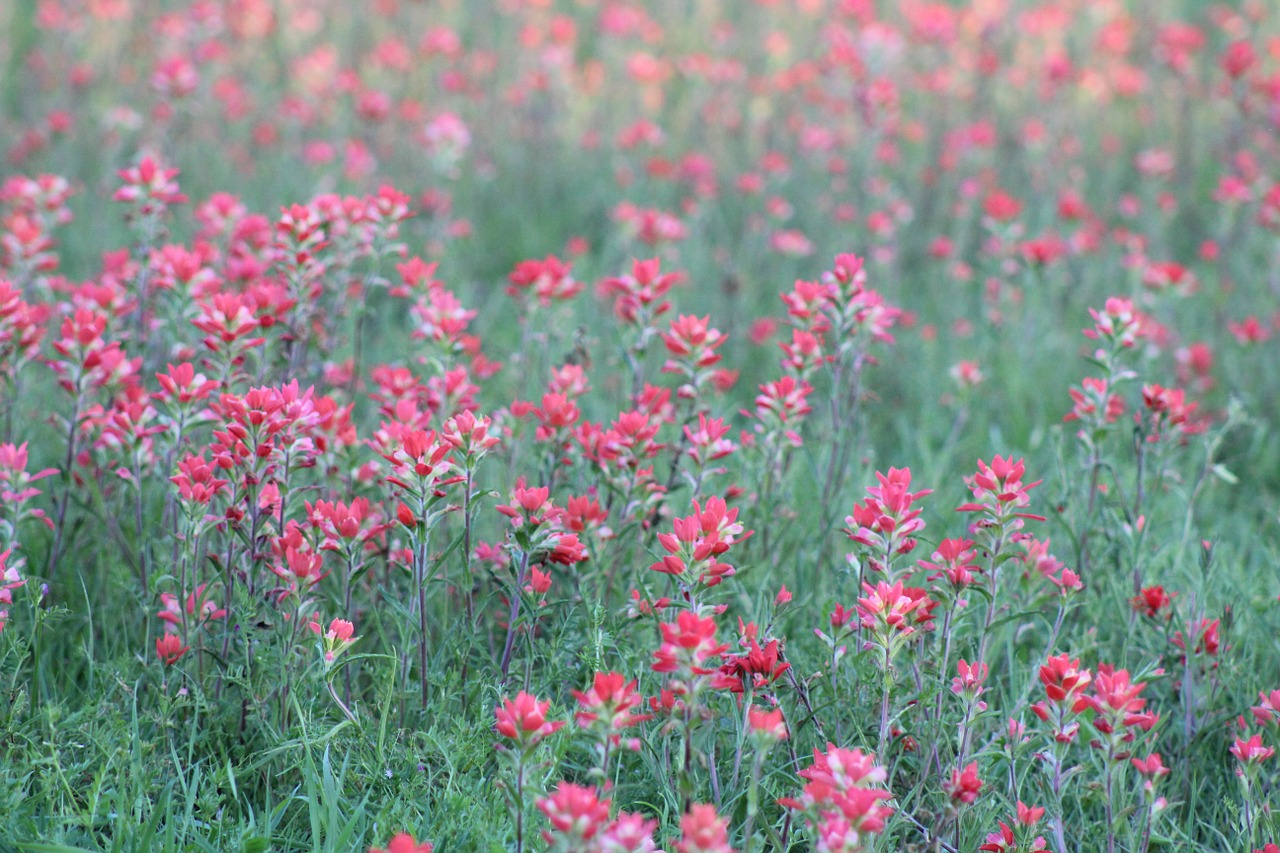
(688, 646)
(1152, 770)
(698, 540)
(538, 527)
(640, 297)
(967, 374)
(149, 186)
(968, 684)
(577, 815)
(609, 704)
(1205, 634)
(1064, 684)
(336, 639)
(548, 279)
(301, 570)
(199, 606)
(886, 521)
(955, 563)
(766, 727)
(965, 785)
(1265, 713)
(758, 668)
(169, 649)
(1117, 325)
(629, 833)
(999, 495)
(692, 343)
(1118, 709)
(1251, 751)
(703, 831)
(843, 782)
(524, 721)
(884, 611)
(404, 843)
(1152, 601)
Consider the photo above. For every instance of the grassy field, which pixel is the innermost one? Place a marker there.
(589, 425)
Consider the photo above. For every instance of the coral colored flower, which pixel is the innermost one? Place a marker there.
(843, 782)
(1116, 325)
(524, 720)
(1251, 750)
(999, 494)
(548, 279)
(766, 727)
(956, 563)
(169, 649)
(640, 297)
(965, 785)
(336, 639)
(697, 543)
(404, 843)
(1265, 713)
(1005, 841)
(629, 833)
(889, 612)
(1152, 767)
(886, 521)
(577, 815)
(688, 646)
(702, 830)
(609, 704)
(968, 684)
(1064, 685)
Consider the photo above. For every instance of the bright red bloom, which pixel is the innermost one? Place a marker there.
(1205, 633)
(1117, 705)
(759, 667)
(1064, 682)
(1153, 601)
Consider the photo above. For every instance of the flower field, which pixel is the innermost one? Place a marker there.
(636, 425)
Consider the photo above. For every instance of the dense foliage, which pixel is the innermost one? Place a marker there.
(607, 425)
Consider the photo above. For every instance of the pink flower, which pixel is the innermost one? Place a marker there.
(1251, 751)
(524, 720)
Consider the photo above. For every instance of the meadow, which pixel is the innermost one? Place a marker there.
(636, 425)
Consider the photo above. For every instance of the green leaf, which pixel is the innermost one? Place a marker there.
(1224, 474)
